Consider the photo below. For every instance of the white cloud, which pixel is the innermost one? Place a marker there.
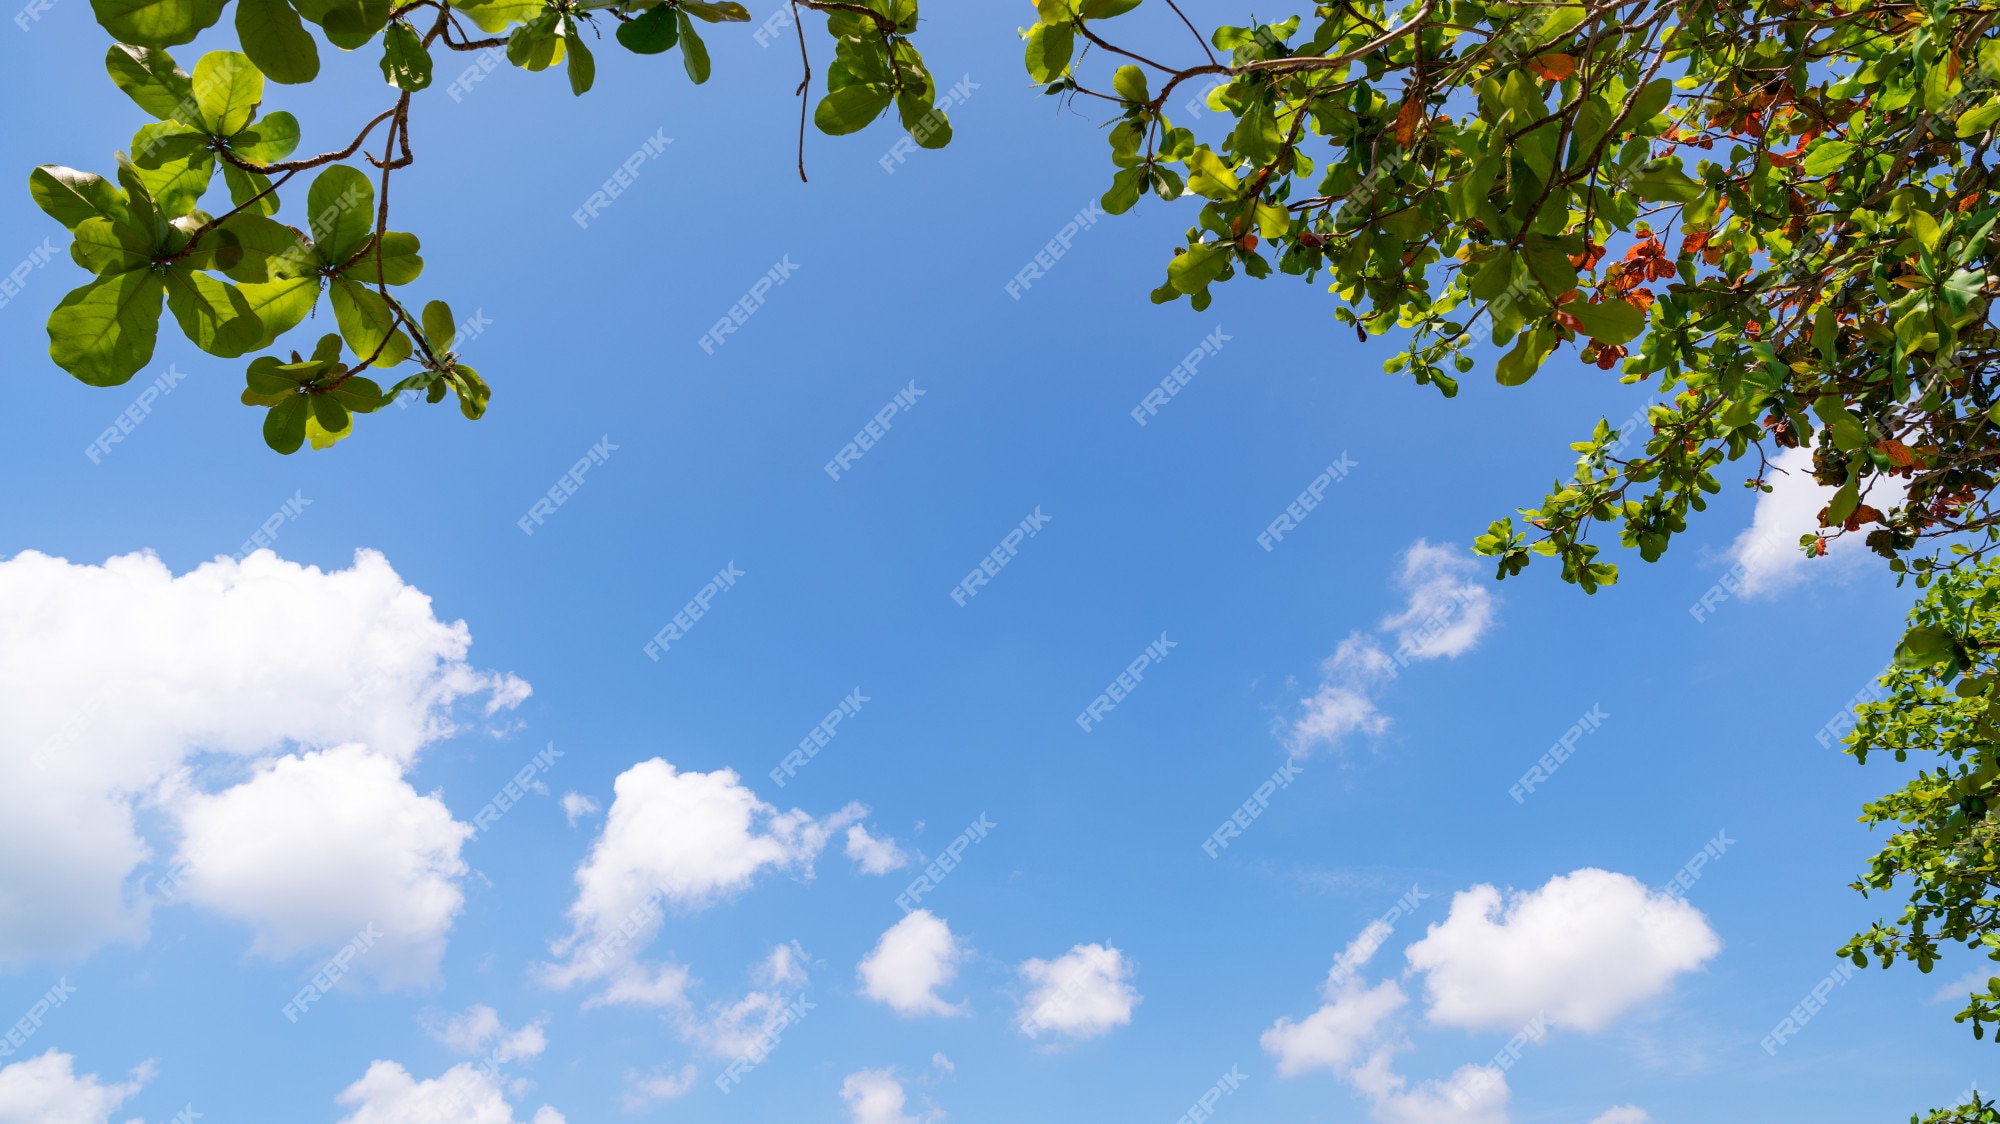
(114, 678)
(575, 806)
(732, 1030)
(1081, 994)
(914, 958)
(874, 856)
(1585, 947)
(464, 1094)
(478, 1030)
(1768, 550)
(1473, 1094)
(1351, 1021)
(645, 1090)
(1974, 982)
(316, 847)
(1449, 609)
(940, 1061)
(1344, 704)
(1624, 1114)
(46, 1090)
(1447, 612)
(874, 1096)
(689, 839)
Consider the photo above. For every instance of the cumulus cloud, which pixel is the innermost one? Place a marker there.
(913, 959)
(874, 1096)
(1473, 1094)
(116, 679)
(642, 1090)
(1446, 613)
(1584, 948)
(1768, 550)
(478, 1030)
(1624, 1114)
(872, 855)
(1355, 1035)
(316, 847)
(730, 1030)
(464, 1094)
(683, 839)
(1083, 993)
(47, 1090)
(1352, 1020)
(575, 806)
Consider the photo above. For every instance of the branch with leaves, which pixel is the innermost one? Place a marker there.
(238, 281)
(1799, 189)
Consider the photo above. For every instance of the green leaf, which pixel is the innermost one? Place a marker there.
(582, 67)
(70, 196)
(535, 45)
(227, 88)
(1978, 119)
(276, 41)
(1610, 320)
(694, 52)
(927, 125)
(1666, 183)
(1210, 177)
(655, 31)
(850, 109)
(152, 81)
(440, 329)
(268, 140)
(406, 65)
(368, 324)
(1125, 188)
(156, 23)
(1130, 83)
(285, 424)
(341, 209)
(331, 415)
(726, 12)
(104, 332)
(1105, 9)
(1848, 432)
(1651, 99)
(1925, 646)
(1826, 156)
(349, 24)
(1193, 271)
(400, 262)
(360, 394)
(213, 314)
(175, 163)
(1048, 53)
(282, 305)
(102, 246)
(1520, 364)
(245, 186)
(1844, 502)
(1548, 260)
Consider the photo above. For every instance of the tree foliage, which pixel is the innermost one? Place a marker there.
(1941, 703)
(239, 280)
(1781, 210)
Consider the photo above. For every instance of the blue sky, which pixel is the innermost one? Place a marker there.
(332, 737)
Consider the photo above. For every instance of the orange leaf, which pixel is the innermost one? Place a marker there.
(1406, 121)
(1554, 68)
(1896, 451)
